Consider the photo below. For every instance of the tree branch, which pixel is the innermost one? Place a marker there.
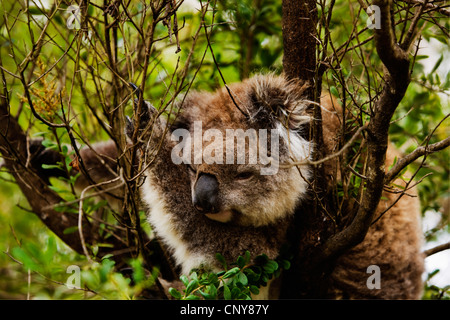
(299, 43)
(13, 146)
(397, 80)
(391, 54)
(410, 158)
(429, 6)
(437, 249)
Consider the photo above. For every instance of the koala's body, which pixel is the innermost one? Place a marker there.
(201, 207)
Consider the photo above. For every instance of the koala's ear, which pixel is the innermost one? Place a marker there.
(146, 112)
(277, 99)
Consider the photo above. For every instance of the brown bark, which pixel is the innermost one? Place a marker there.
(42, 200)
(299, 28)
(299, 62)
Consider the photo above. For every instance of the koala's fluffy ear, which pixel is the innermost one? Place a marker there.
(273, 98)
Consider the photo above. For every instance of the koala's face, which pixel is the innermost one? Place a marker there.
(236, 163)
(241, 194)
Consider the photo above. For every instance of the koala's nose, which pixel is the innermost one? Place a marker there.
(205, 195)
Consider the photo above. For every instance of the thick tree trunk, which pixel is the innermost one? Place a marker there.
(299, 28)
(299, 62)
(300, 57)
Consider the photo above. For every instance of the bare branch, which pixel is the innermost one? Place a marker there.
(437, 249)
(412, 31)
(410, 158)
(331, 156)
(391, 54)
(80, 209)
(430, 6)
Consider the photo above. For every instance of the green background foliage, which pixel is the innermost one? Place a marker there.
(246, 39)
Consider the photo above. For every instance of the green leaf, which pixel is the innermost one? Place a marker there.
(107, 256)
(35, 251)
(261, 259)
(254, 289)
(264, 278)
(70, 230)
(193, 275)
(247, 257)
(50, 249)
(184, 279)
(212, 290)
(105, 269)
(253, 276)
(138, 270)
(221, 273)
(242, 278)
(241, 262)
(334, 91)
(244, 296)
(222, 260)
(192, 297)
(23, 257)
(213, 278)
(49, 144)
(231, 273)
(50, 166)
(226, 292)
(235, 293)
(175, 293)
(270, 266)
(285, 264)
(35, 11)
(438, 63)
(193, 284)
(206, 295)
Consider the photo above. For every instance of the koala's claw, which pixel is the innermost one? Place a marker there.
(136, 89)
(138, 94)
(129, 126)
(145, 114)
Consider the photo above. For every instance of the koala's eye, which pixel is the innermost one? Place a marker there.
(244, 175)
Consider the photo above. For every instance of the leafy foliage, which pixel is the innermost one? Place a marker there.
(237, 283)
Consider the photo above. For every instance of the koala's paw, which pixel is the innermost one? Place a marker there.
(147, 111)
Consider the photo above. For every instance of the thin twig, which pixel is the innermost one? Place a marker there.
(80, 209)
(331, 156)
(437, 249)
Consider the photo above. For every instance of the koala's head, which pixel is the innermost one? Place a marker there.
(236, 156)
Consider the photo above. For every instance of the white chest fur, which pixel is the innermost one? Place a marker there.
(161, 220)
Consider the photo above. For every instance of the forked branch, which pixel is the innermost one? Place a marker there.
(397, 78)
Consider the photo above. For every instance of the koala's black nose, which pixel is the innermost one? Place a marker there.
(205, 195)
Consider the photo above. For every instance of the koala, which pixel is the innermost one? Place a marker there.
(217, 182)
(228, 207)
(200, 207)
